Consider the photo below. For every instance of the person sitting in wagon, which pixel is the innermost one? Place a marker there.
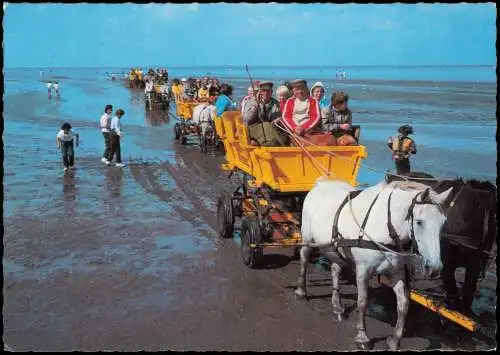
(223, 102)
(177, 89)
(260, 116)
(318, 92)
(190, 91)
(250, 94)
(203, 93)
(302, 116)
(282, 94)
(338, 119)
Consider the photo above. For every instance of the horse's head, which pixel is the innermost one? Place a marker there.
(426, 218)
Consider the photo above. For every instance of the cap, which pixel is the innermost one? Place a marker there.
(298, 82)
(266, 85)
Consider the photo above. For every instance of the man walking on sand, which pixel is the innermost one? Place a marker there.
(105, 124)
(115, 137)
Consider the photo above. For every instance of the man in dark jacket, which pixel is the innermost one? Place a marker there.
(259, 117)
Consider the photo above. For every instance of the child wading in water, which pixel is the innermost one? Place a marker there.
(66, 140)
(402, 146)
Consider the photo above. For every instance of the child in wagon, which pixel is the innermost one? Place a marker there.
(66, 140)
(402, 146)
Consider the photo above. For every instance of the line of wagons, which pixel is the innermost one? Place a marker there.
(274, 183)
(186, 128)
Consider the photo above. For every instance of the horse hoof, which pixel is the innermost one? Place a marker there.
(339, 317)
(364, 346)
(300, 294)
(392, 344)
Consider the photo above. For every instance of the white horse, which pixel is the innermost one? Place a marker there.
(392, 216)
(203, 114)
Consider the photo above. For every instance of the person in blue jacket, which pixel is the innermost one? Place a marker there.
(224, 102)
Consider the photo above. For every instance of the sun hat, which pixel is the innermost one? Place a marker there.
(317, 84)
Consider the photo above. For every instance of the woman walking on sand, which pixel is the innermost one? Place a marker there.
(115, 137)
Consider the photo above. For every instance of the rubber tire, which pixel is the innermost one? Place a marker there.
(177, 133)
(237, 205)
(225, 217)
(220, 146)
(250, 233)
(183, 140)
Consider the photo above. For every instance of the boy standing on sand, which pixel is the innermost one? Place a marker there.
(402, 146)
(115, 137)
(65, 141)
(105, 124)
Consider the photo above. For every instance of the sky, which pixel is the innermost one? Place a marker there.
(125, 35)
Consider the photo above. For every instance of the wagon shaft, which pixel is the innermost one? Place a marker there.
(440, 309)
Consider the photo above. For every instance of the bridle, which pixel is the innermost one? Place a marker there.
(339, 241)
(425, 200)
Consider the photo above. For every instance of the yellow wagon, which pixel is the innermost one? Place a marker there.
(187, 128)
(269, 201)
(275, 182)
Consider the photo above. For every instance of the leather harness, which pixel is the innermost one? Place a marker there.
(338, 241)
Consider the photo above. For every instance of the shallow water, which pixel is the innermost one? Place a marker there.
(134, 231)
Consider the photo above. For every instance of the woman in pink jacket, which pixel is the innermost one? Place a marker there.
(302, 115)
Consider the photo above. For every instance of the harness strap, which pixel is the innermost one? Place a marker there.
(392, 231)
(366, 244)
(337, 237)
(361, 232)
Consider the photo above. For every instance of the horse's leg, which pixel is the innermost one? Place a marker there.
(469, 287)
(305, 257)
(403, 300)
(448, 278)
(362, 277)
(338, 310)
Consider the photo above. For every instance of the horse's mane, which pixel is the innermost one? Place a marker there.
(482, 185)
(474, 183)
(407, 185)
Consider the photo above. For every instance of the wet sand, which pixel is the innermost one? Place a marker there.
(128, 260)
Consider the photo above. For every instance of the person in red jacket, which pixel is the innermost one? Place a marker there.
(301, 113)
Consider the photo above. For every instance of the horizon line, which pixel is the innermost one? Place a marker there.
(255, 66)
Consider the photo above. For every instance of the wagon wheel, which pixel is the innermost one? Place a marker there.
(220, 145)
(251, 234)
(225, 216)
(203, 143)
(213, 141)
(177, 133)
(182, 136)
(238, 204)
(205, 149)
